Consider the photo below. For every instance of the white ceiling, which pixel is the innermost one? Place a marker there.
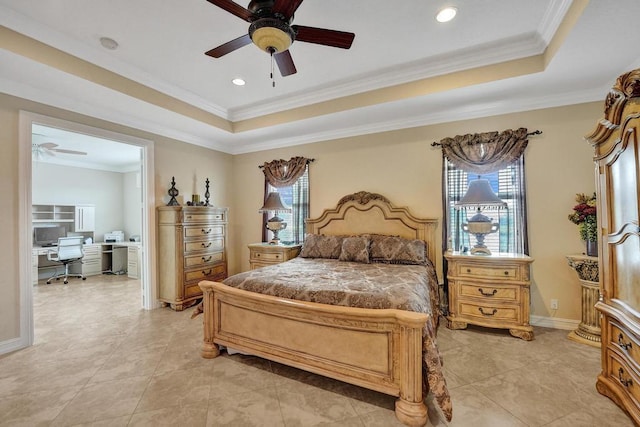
(162, 45)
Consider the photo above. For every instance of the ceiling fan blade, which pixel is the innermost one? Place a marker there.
(60, 150)
(229, 47)
(285, 63)
(48, 145)
(233, 8)
(323, 36)
(286, 7)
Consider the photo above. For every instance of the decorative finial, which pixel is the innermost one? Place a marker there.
(173, 192)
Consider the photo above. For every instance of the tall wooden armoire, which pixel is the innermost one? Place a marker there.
(615, 141)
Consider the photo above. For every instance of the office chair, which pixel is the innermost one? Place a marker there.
(69, 251)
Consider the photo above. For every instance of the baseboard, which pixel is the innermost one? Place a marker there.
(11, 345)
(554, 322)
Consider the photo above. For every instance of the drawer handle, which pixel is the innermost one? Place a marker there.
(495, 310)
(624, 382)
(278, 256)
(207, 259)
(206, 273)
(206, 231)
(206, 245)
(506, 273)
(487, 294)
(622, 344)
(468, 270)
(258, 255)
(189, 216)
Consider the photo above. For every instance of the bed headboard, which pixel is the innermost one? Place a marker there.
(365, 212)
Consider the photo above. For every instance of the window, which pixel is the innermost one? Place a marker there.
(508, 184)
(297, 197)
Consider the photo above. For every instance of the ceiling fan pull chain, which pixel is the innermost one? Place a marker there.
(273, 81)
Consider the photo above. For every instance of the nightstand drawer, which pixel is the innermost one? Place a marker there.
(494, 272)
(490, 292)
(488, 312)
(267, 256)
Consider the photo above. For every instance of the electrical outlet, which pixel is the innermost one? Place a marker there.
(554, 304)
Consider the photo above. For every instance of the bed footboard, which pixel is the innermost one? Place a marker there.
(376, 349)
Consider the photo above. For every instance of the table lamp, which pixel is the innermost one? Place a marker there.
(480, 196)
(275, 224)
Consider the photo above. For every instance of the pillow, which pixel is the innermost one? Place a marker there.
(398, 250)
(356, 249)
(319, 246)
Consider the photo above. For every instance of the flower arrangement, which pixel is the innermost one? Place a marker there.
(584, 214)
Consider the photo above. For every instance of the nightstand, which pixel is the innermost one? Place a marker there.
(263, 254)
(490, 291)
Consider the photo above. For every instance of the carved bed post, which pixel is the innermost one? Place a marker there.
(209, 349)
(410, 407)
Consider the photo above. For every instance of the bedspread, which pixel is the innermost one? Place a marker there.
(378, 286)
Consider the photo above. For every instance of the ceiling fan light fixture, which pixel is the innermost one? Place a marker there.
(238, 81)
(271, 35)
(108, 43)
(446, 14)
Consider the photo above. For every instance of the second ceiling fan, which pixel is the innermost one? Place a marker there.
(271, 31)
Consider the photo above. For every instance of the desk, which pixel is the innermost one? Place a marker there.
(99, 258)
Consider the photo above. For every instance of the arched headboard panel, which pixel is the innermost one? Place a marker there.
(365, 212)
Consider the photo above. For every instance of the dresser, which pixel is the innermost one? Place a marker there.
(490, 291)
(264, 254)
(615, 143)
(191, 248)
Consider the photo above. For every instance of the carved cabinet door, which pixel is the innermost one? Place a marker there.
(618, 181)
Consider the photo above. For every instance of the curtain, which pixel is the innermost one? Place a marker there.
(284, 173)
(485, 152)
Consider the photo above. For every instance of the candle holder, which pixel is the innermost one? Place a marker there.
(206, 193)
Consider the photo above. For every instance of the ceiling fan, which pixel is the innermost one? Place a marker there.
(50, 149)
(271, 31)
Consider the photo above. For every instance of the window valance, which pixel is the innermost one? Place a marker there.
(485, 152)
(284, 173)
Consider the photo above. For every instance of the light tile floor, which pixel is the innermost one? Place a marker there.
(100, 360)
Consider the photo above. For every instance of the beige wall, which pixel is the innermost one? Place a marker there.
(188, 163)
(403, 166)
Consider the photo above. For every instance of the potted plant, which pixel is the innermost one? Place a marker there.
(584, 214)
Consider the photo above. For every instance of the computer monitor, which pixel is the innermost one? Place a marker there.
(48, 236)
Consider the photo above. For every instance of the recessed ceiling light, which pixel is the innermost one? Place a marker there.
(108, 43)
(446, 14)
(238, 81)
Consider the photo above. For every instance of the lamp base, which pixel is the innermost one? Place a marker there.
(480, 250)
(274, 225)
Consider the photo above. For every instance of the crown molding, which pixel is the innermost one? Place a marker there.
(39, 31)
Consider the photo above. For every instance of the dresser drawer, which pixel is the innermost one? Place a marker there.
(205, 273)
(91, 266)
(490, 293)
(200, 260)
(202, 217)
(510, 272)
(210, 245)
(624, 341)
(489, 312)
(203, 231)
(620, 373)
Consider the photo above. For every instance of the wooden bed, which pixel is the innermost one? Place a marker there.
(379, 349)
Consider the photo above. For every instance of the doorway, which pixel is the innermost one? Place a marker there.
(30, 123)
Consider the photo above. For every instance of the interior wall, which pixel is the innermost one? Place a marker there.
(403, 166)
(67, 185)
(132, 204)
(171, 158)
